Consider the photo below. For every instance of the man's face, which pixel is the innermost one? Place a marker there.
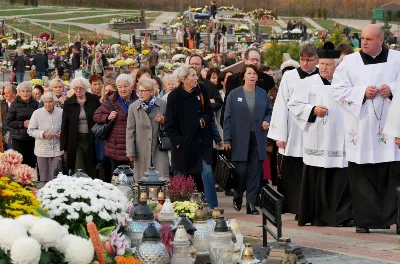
(327, 68)
(371, 41)
(37, 94)
(197, 64)
(253, 59)
(96, 87)
(9, 94)
(308, 63)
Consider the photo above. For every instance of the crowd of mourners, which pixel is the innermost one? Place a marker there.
(308, 128)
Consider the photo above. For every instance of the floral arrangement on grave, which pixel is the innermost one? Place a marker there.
(45, 35)
(165, 21)
(12, 167)
(31, 240)
(36, 82)
(186, 207)
(120, 63)
(241, 28)
(109, 246)
(73, 202)
(227, 8)
(238, 15)
(259, 13)
(145, 52)
(12, 44)
(15, 200)
(181, 188)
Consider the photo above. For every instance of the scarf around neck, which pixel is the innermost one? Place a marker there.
(149, 106)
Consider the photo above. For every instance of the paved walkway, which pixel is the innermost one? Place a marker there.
(361, 24)
(312, 22)
(157, 23)
(380, 245)
(281, 23)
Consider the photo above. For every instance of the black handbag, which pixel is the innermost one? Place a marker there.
(164, 143)
(103, 131)
(224, 170)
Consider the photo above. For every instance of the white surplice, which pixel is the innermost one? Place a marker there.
(283, 127)
(323, 139)
(392, 125)
(364, 138)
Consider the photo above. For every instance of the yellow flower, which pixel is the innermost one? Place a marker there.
(145, 52)
(120, 63)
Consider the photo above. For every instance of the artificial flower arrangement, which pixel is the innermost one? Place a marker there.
(35, 82)
(11, 44)
(186, 207)
(11, 166)
(179, 57)
(162, 52)
(33, 240)
(120, 63)
(165, 21)
(145, 52)
(15, 200)
(241, 28)
(73, 202)
(181, 188)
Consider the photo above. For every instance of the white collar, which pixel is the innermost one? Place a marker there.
(378, 54)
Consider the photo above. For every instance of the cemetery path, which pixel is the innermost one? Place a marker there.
(157, 23)
(361, 24)
(312, 22)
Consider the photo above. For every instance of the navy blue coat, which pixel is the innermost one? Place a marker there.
(237, 123)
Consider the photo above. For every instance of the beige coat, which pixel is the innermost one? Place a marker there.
(142, 139)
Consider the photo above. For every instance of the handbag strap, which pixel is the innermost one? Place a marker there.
(110, 104)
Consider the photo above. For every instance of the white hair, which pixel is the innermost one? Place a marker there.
(24, 86)
(290, 63)
(168, 77)
(84, 81)
(182, 72)
(124, 77)
(49, 95)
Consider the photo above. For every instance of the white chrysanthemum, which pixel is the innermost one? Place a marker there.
(10, 231)
(28, 221)
(47, 232)
(25, 250)
(89, 218)
(77, 250)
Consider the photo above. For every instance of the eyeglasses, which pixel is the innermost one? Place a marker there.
(79, 88)
(141, 91)
(254, 60)
(307, 60)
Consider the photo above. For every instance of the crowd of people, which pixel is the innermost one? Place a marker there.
(317, 128)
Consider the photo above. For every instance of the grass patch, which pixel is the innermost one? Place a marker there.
(30, 11)
(99, 20)
(309, 26)
(8, 6)
(328, 24)
(77, 15)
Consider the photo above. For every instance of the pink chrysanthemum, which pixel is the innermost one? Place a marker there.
(12, 157)
(24, 174)
(5, 168)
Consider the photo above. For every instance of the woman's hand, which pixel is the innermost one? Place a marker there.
(131, 158)
(397, 142)
(227, 146)
(112, 115)
(61, 100)
(265, 125)
(160, 118)
(26, 123)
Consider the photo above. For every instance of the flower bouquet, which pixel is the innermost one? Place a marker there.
(181, 188)
(75, 201)
(31, 240)
(35, 82)
(145, 52)
(186, 207)
(15, 200)
(11, 44)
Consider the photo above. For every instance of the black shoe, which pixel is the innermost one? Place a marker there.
(229, 193)
(362, 230)
(398, 229)
(237, 204)
(348, 223)
(219, 189)
(251, 209)
(296, 217)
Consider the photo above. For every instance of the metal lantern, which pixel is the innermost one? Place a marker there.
(285, 249)
(124, 186)
(248, 256)
(152, 182)
(201, 237)
(152, 250)
(215, 214)
(196, 198)
(167, 215)
(138, 221)
(181, 247)
(238, 240)
(127, 171)
(221, 246)
(183, 220)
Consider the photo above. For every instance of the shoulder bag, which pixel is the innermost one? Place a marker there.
(224, 170)
(103, 131)
(164, 143)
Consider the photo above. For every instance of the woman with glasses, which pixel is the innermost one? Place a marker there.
(145, 117)
(77, 121)
(120, 102)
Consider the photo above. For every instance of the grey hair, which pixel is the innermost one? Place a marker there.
(49, 95)
(84, 81)
(24, 86)
(182, 72)
(148, 83)
(168, 77)
(277, 77)
(308, 49)
(124, 77)
(54, 82)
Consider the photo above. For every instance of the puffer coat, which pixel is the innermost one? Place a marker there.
(116, 142)
(18, 112)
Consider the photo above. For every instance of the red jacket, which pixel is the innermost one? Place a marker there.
(116, 143)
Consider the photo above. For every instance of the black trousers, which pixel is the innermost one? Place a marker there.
(26, 148)
(249, 172)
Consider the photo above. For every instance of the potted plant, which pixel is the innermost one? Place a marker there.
(181, 188)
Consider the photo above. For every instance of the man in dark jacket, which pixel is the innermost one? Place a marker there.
(251, 56)
(213, 8)
(41, 63)
(76, 59)
(19, 66)
(9, 96)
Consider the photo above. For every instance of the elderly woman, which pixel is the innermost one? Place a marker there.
(57, 88)
(120, 102)
(18, 117)
(144, 120)
(77, 122)
(45, 127)
(109, 88)
(247, 116)
(187, 117)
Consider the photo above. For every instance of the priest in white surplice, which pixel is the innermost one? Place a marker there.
(363, 85)
(285, 131)
(325, 197)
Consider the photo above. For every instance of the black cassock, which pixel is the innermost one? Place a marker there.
(325, 196)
